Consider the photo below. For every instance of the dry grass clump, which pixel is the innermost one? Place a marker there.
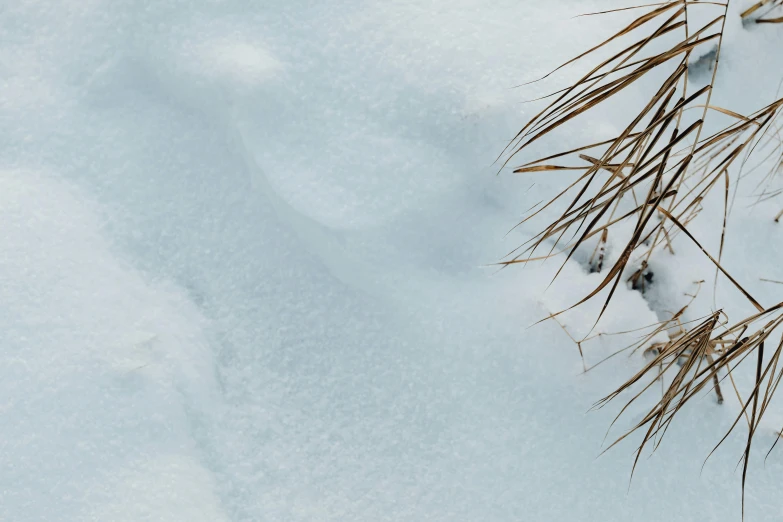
(765, 12)
(639, 176)
(700, 359)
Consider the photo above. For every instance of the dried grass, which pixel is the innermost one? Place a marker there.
(643, 171)
(764, 12)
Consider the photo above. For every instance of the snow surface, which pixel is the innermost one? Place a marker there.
(243, 272)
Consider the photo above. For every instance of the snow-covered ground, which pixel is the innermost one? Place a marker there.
(243, 272)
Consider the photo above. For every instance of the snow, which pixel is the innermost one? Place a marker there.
(244, 272)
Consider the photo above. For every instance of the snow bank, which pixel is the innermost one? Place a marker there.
(104, 372)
